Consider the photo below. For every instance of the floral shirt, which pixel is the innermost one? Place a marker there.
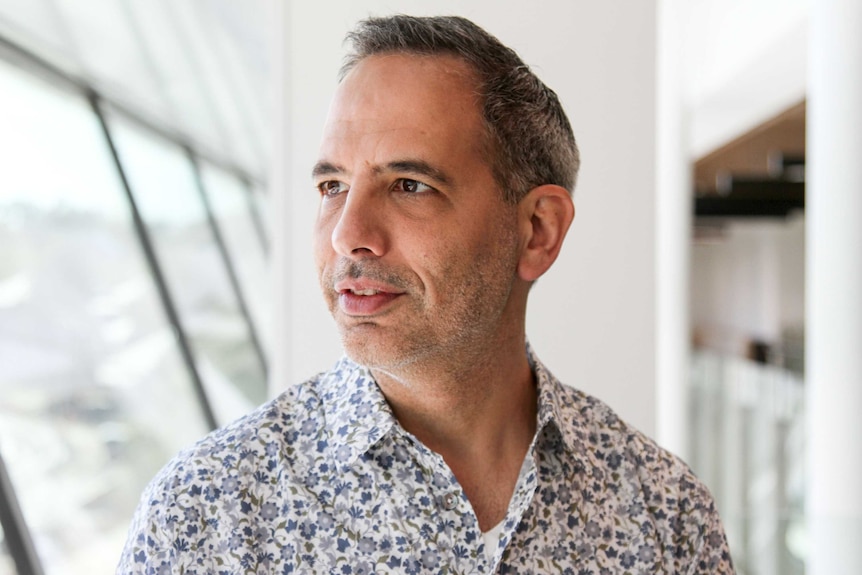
(324, 480)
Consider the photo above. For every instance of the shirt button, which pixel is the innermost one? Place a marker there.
(450, 501)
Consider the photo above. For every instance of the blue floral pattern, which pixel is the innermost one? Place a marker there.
(323, 479)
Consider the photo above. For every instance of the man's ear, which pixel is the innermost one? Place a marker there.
(545, 215)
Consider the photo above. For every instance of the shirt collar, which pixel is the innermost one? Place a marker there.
(358, 415)
(550, 402)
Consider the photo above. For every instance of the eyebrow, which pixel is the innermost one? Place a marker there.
(324, 168)
(418, 167)
(411, 166)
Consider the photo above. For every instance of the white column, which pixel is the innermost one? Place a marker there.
(834, 288)
(673, 234)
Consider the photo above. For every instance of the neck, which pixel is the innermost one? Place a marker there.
(479, 415)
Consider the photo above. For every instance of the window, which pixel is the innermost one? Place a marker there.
(233, 206)
(94, 396)
(168, 193)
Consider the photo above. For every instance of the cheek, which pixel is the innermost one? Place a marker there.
(446, 267)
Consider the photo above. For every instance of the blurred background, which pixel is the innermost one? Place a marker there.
(156, 277)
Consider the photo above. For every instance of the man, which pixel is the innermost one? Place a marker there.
(440, 444)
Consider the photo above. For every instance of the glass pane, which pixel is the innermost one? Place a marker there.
(241, 55)
(106, 36)
(167, 48)
(93, 395)
(36, 24)
(200, 27)
(231, 204)
(170, 202)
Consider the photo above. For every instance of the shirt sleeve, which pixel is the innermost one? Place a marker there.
(712, 555)
(148, 550)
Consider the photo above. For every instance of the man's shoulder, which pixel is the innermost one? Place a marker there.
(611, 446)
(248, 468)
(633, 475)
(268, 439)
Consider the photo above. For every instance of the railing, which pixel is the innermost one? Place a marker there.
(747, 445)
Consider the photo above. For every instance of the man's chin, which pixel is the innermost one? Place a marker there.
(361, 343)
(367, 348)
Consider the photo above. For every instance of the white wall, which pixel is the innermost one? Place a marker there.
(591, 319)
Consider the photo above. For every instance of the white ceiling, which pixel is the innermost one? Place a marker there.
(745, 62)
(198, 67)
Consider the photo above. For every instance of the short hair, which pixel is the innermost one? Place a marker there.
(532, 143)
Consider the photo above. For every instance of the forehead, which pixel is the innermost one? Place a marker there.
(405, 101)
(432, 80)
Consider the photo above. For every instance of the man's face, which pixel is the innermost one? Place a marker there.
(416, 250)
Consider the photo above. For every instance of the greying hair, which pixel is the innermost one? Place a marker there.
(532, 143)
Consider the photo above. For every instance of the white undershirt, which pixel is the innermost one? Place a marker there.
(491, 538)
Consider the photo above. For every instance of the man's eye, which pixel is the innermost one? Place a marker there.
(331, 187)
(412, 186)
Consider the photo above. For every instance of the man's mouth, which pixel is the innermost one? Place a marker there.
(364, 291)
(365, 297)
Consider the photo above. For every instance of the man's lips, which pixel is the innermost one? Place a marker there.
(365, 298)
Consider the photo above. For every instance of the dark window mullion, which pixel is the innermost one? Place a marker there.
(15, 529)
(228, 263)
(155, 269)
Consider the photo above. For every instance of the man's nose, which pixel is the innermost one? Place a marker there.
(360, 229)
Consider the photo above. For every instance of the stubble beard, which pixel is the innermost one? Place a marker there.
(445, 340)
